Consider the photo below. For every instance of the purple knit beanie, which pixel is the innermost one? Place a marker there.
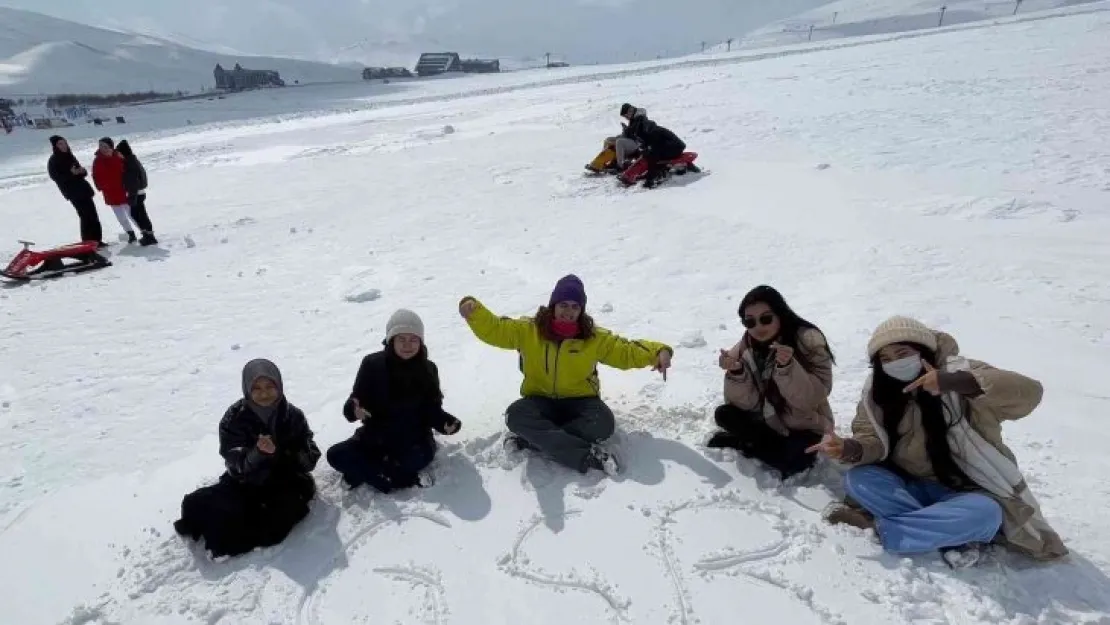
(568, 289)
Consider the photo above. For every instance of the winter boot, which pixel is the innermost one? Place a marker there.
(843, 514)
(131, 238)
(962, 557)
(605, 459)
(722, 440)
(148, 239)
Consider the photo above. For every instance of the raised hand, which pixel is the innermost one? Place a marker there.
(266, 444)
(783, 354)
(467, 307)
(929, 381)
(662, 363)
(360, 412)
(831, 445)
(727, 362)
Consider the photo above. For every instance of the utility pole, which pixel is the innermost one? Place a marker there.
(703, 47)
(838, 13)
(1017, 5)
(730, 44)
(548, 56)
(942, 10)
(810, 37)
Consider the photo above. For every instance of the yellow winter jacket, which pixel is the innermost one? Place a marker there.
(565, 369)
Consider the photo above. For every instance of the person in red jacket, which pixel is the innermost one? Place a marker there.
(107, 174)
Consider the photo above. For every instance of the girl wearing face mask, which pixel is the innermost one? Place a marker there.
(777, 383)
(931, 471)
(561, 413)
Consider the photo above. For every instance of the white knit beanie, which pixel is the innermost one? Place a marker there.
(404, 322)
(901, 330)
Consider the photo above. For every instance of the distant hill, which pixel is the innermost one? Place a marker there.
(46, 55)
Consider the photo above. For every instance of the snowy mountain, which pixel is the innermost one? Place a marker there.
(931, 175)
(581, 31)
(46, 55)
(855, 18)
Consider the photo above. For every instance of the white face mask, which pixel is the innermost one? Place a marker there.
(904, 369)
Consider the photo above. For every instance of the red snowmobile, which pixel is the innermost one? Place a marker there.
(29, 264)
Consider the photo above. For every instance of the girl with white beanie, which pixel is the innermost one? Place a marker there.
(930, 469)
(397, 400)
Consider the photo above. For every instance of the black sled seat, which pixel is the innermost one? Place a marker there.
(31, 264)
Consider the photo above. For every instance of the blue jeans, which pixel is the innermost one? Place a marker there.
(920, 516)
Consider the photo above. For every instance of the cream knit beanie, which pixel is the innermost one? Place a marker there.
(901, 330)
(404, 322)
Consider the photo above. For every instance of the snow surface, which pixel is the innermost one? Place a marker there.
(961, 177)
(858, 18)
(46, 55)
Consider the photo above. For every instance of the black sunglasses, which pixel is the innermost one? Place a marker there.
(765, 319)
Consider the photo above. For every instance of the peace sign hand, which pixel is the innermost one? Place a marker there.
(929, 381)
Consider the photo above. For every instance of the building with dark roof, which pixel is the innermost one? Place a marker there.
(238, 79)
(435, 63)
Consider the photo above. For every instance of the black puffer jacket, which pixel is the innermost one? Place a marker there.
(60, 167)
(403, 398)
(651, 136)
(296, 453)
(134, 174)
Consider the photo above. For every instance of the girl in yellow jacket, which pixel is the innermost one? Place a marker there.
(560, 412)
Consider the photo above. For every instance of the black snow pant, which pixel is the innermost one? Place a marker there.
(384, 468)
(747, 432)
(90, 220)
(234, 518)
(565, 429)
(139, 214)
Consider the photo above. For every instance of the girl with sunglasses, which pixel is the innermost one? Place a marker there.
(777, 383)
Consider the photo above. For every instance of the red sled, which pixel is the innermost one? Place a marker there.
(682, 165)
(30, 264)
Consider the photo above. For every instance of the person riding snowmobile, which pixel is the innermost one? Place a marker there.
(616, 153)
(658, 144)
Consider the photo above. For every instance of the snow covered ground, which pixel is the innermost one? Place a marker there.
(961, 177)
(860, 18)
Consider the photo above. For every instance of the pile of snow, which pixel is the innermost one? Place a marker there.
(931, 176)
(46, 55)
(856, 18)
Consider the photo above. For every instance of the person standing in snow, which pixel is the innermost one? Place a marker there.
(560, 412)
(397, 400)
(70, 176)
(930, 469)
(658, 144)
(269, 452)
(134, 181)
(777, 383)
(107, 173)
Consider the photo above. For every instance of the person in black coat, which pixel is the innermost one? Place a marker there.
(397, 399)
(71, 178)
(134, 180)
(657, 143)
(269, 453)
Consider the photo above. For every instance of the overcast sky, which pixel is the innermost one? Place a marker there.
(581, 31)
